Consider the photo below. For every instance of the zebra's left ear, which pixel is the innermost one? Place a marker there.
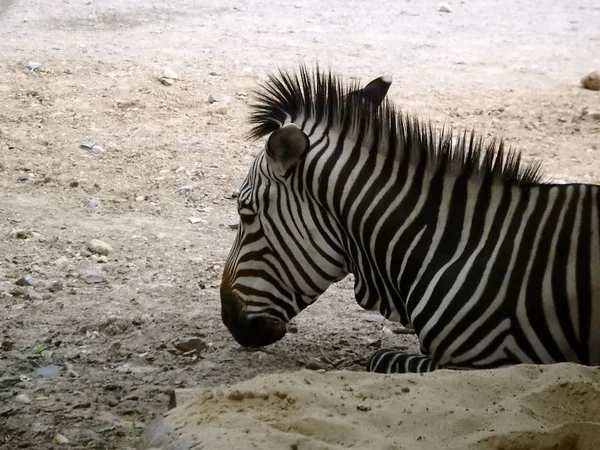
(285, 148)
(375, 91)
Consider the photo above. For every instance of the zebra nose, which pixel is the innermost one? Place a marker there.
(256, 331)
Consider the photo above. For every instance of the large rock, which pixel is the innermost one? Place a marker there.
(522, 407)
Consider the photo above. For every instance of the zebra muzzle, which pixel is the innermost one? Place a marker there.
(253, 331)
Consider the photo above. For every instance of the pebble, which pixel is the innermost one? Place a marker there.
(54, 285)
(70, 369)
(87, 435)
(219, 109)
(187, 188)
(34, 65)
(190, 343)
(91, 146)
(114, 347)
(21, 234)
(374, 343)
(168, 77)
(7, 381)
(444, 8)
(194, 220)
(234, 226)
(62, 261)
(99, 247)
(592, 81)
(374, 318)
(92, 203)
(219, 98)
(587, 114)
(31, 294)
(93, 276)
(26, 280)
(141, 198)
(23, 398)
(60, 439)
(50, 372)
(315, 364)
(24, 177)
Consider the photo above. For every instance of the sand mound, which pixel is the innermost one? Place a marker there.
(524, 407)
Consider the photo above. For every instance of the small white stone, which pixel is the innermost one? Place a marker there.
(23, 398)
(444, 8)
(99, 247)
(60, 439)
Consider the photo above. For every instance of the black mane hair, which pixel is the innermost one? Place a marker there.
(324, 96)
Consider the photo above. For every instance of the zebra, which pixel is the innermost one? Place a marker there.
(443, 231)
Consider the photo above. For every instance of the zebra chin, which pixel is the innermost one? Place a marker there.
(255, 331)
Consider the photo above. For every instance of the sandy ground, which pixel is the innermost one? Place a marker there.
(508, 70)
(519, 408)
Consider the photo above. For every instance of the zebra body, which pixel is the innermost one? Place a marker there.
(489, 265)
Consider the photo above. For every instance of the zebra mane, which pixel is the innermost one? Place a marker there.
(324, 97)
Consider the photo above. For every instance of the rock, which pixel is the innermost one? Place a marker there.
(99, 247)
(315, 364)
(86, 435)
(23, 398)
(92, 203)
(168, 77)
(190, 343)
(161, 236)
(50, 372)
(374, 318)
(21, 234)
(114, 347)
(187, 188)
(374, 343)
(70, 369)
(33, 65)
(219, 109)
(219, 98)
(26, 280)
(194, 220)
(591, 81)
(60, 439)
(61, 262)
(93, 276)
(31, 294)
(7, 381)
(141, 198)
(24, 177)
(587, 114)
(444, 8)
(54, 285)
(234, 226)
(91, 146)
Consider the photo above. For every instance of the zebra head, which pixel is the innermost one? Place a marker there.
(289, 248)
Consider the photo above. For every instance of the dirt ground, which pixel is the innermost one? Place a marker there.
(91, 349)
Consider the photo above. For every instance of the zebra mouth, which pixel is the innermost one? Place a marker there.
(253, 331)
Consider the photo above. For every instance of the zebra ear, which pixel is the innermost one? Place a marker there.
(285, 148)
(375, 91)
